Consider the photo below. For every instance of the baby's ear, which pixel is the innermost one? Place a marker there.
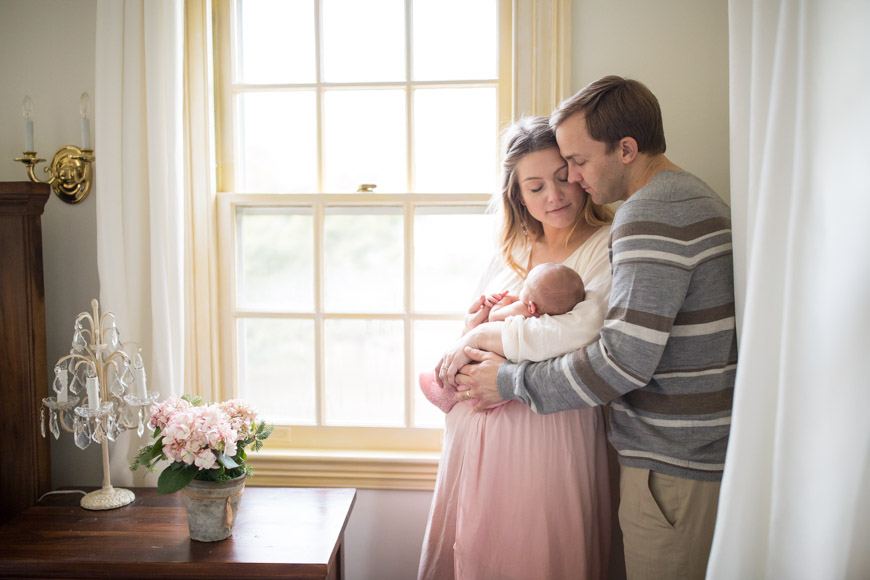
(533, 308)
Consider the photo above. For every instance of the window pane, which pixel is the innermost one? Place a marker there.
(277, 142)
(364, 372)
(363, 41)
(431, 339)
(276, 369)
(455, 39)
(365, 141)
(451, 251)
(364, 263)
(276, 259)
(276, 42)
(443, 162)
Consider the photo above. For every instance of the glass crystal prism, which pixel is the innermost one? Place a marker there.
(56, 385)
(110, 428)
(80, 433)
(115, 340)
(78, 343)
(52, 424)
(42, 420)
(76, 384)
(98, 432)
(117, 387)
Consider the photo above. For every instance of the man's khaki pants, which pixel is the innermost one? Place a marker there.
(667, 524)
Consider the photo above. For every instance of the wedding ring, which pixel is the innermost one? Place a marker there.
(467, 395)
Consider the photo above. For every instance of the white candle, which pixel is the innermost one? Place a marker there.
(84, 105)
(93, 393)
(62, 396)
(86, 134)
(141, 391)
(28, 135)
(27, 111)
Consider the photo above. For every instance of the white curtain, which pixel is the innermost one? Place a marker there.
(139, 175)
(795, 500)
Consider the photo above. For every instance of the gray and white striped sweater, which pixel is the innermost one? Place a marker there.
(667, 356)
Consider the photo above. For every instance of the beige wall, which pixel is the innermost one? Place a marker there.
(679, 49)
(47, 52)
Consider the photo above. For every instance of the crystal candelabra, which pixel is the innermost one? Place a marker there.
(101, 369)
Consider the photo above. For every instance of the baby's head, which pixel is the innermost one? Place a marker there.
(552, 289)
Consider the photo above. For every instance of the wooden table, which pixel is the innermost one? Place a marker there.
(280, 532)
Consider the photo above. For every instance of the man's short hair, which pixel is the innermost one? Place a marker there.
(615, 108)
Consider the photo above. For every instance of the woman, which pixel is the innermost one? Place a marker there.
(521, 495)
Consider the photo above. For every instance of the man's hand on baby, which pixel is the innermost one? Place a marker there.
(481, 378)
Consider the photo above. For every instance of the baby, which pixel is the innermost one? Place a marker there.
(549, 289)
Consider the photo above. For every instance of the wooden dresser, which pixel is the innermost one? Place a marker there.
(26, 471)
(281, 532)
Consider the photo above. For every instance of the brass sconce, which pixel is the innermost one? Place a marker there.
(70, 172)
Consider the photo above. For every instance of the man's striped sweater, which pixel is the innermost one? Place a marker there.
(667, 356)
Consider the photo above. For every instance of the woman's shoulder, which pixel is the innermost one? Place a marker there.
(596, 244)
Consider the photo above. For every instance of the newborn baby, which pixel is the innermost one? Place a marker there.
(549, 289)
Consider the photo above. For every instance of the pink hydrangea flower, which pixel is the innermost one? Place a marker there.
(161, 412)
(192, 435)
(242, 416)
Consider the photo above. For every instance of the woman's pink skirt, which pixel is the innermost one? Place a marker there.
(521, 496)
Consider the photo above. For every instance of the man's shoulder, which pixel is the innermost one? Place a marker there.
(673, 197)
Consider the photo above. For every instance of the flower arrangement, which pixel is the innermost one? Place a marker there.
(203, 442)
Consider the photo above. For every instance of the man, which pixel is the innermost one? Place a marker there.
(667, 354)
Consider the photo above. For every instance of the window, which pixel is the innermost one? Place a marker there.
(358, 150)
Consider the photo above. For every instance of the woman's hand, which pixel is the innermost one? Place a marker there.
(453, 360)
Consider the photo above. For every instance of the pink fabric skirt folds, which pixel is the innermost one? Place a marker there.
(520, 496)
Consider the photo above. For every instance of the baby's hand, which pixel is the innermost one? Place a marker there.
(494, 299)
(479, 311)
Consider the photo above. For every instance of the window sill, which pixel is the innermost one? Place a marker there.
(331, 468)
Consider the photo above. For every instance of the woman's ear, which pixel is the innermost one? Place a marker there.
(627, 150)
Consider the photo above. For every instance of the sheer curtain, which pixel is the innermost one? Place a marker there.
(795, 497)
(140, 204)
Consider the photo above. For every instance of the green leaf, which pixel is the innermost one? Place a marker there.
(226, 461)
(175, 477)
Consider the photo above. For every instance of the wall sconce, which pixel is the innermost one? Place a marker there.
(70, 171)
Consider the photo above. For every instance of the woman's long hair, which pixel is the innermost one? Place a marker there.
(519, 228)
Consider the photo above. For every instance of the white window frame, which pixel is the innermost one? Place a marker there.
(379, 458)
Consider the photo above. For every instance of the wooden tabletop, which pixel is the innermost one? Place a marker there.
(279, 533)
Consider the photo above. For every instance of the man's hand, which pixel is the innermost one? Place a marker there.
(481, 378)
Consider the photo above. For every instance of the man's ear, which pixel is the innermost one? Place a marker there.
(627, 150)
